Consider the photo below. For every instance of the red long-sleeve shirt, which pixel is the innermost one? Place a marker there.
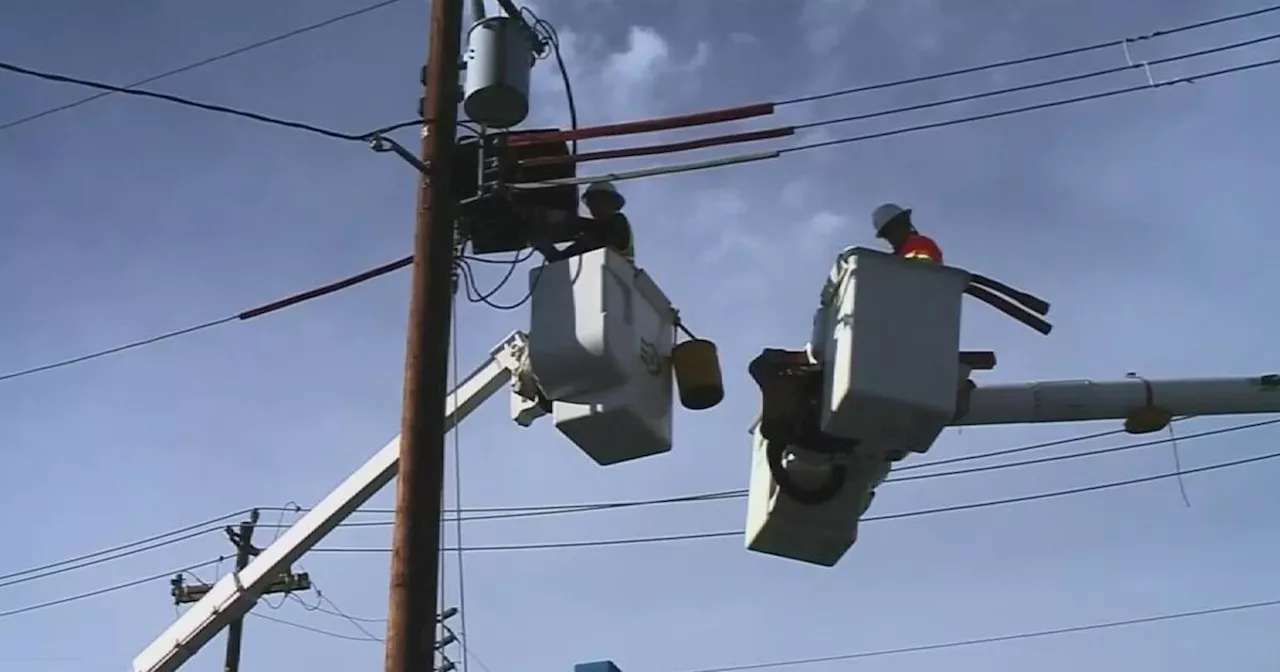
(921, 248)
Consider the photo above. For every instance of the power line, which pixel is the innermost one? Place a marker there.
(893, 516)
(623, 504)
(203, 62)
(724, 161)
(32, 575)
(211, 523)
(131, 89)
(208, 107)
(463, 632)
(356, 622)
(1001, 638)
(995, 65)
(1032, 108)
(110, 589)
(312, 629)
(241, 316)
(1093, 74)
(509, 512)
(505, 513)
(119, 348)
(729, 160)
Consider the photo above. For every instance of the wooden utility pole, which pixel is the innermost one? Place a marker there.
(286, 583)
(243, 539)
(411, 618)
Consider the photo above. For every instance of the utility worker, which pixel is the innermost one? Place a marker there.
(607, 226)
(893, 223)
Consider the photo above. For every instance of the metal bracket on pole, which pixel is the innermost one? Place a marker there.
(381, 143)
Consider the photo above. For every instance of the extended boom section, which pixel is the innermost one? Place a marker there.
(1123, 399)
(235, 594)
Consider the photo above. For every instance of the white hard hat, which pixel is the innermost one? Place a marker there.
(885, 214)
(604, 188)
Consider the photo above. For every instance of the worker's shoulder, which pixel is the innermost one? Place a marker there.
(921, 240)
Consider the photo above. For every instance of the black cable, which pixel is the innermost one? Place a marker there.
(506, 513)
(894, 516)
(992, 640)
(1086, 453)
(353, 621)
(258, 311)
(1031, 108)
(203, 62)
(1110, 44)
(32, 575)
(1093, 74)
(119, 348)
(553, 38)
(212, 523)
(463, 630)
(503, 513)
(110, 589)
(312, 629)
(475, 296)
(186, 102)
(473, 293)
(322, 610)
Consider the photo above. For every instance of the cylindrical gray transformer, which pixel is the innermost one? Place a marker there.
(499, 62)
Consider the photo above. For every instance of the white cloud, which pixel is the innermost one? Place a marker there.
(824, 22)
(612, 85)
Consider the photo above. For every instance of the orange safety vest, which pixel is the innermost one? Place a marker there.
(921, 248)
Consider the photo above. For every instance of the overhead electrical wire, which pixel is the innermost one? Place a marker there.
(785, 131)
(313, 629)
(1033, 108)
(632, 541)
(180, 534)
(249, 314)
(207, 107)
(203, 62)
(30, 575)
(1032, 634)
(475, 514)
(1025, 60)
(110, 589)
(506, 513)
(732, 160)
(554, 42)
(1045, 83)
(753, 157)
(671, 538)
(724, 494)
(463, 632)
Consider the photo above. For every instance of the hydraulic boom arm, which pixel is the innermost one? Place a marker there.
(1080, 400)
(235, 594)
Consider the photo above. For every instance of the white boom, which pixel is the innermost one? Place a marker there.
(236, 593)
(1080, 400)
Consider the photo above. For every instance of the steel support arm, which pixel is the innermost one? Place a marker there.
(236, 593)
(1080, 400)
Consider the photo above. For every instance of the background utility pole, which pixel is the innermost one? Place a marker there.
(411, 618)
(287, 582)
(243, 540)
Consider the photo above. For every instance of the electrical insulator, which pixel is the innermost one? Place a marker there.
(500, 56)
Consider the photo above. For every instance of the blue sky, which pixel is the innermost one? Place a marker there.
(1147, 220)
